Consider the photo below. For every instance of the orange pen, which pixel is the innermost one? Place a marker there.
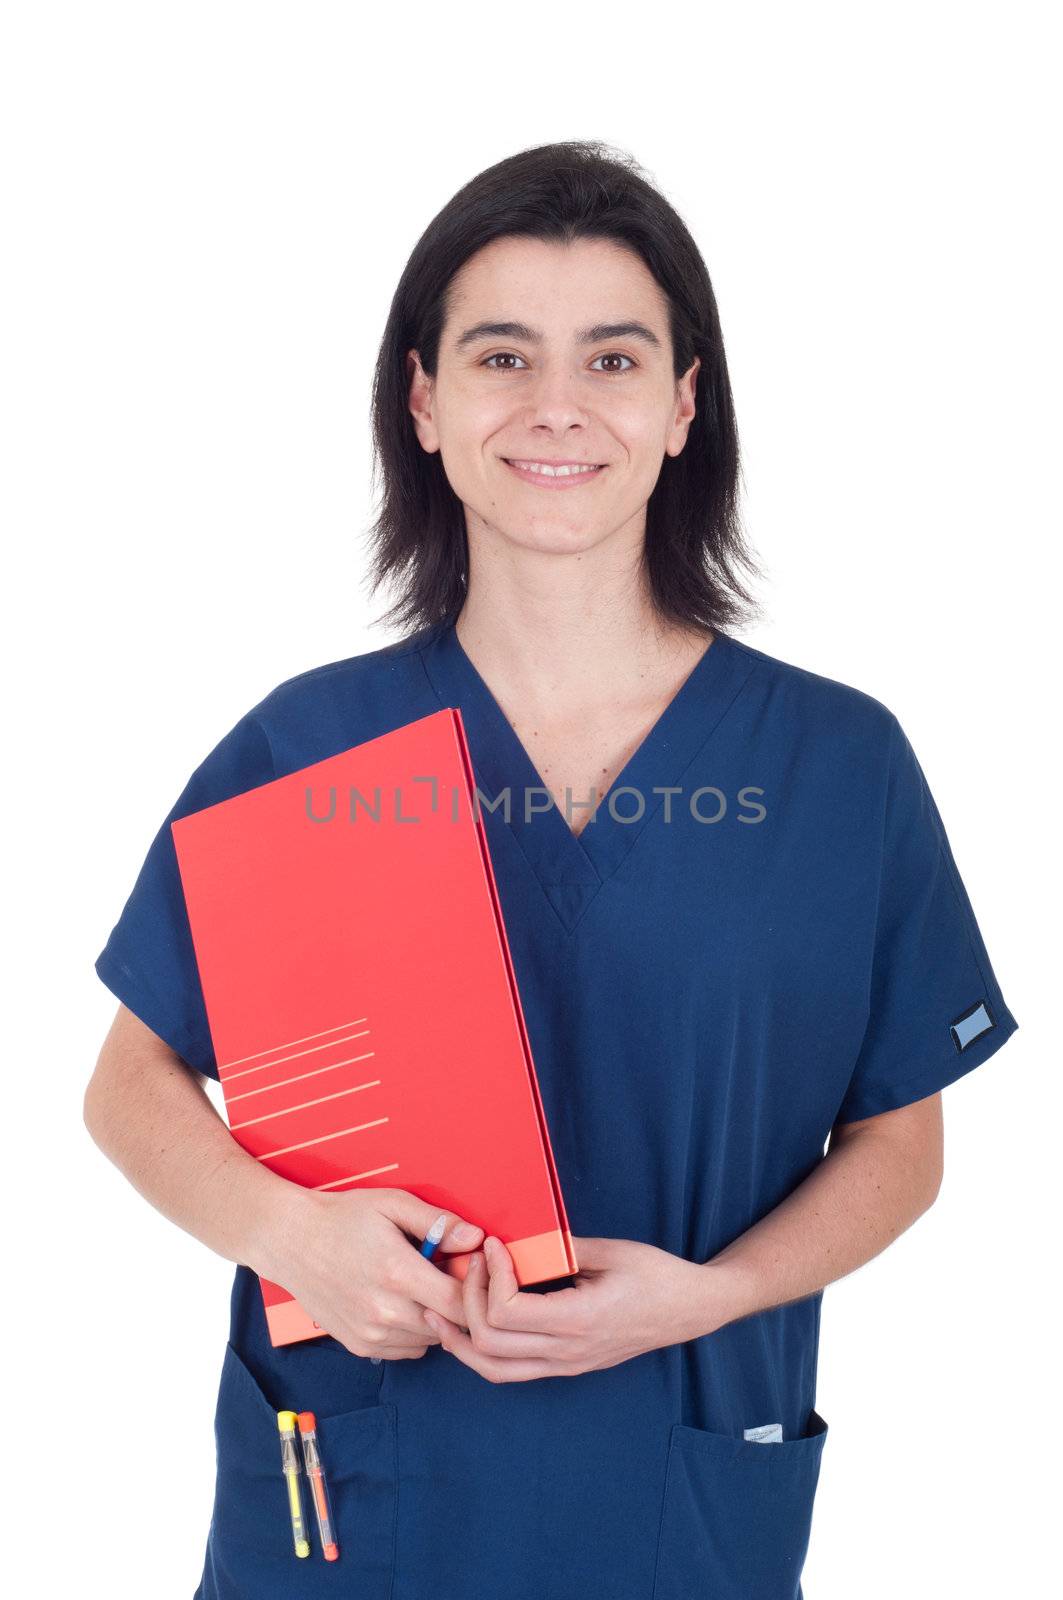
(315, 1474)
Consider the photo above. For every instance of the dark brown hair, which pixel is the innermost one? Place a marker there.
(561, 192)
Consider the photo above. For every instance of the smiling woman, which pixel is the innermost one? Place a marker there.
(505, 432)
(707, 1005)
(556, 313)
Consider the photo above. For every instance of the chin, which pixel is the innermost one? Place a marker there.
(548, 534)
(550, 539)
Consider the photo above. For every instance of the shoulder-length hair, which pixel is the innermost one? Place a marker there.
(578, 189)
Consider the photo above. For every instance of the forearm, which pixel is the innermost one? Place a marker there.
(865, 1192)
(151, 1116)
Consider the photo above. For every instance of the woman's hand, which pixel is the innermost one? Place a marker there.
(627, 1298)
(350, 1261)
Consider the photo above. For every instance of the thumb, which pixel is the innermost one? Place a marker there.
(416, 1216)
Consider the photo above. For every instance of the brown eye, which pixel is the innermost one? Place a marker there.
(616, 355)
(502, 355)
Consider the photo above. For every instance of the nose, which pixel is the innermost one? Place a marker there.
(554, 401)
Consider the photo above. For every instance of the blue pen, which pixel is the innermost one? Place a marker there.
(431, 1239)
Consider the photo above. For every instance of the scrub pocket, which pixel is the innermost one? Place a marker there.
(737, 1515)
(250, 1551)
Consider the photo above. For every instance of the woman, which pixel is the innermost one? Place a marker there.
(737, 928)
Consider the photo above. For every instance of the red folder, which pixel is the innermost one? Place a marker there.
(361, 997)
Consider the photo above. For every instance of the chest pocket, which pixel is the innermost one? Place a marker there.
(737, 1514)
(251, 1549)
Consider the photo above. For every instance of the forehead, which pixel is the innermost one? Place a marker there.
(555, 286)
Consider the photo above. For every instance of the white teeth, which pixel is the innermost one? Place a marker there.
(552, 472)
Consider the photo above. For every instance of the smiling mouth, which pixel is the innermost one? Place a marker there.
(564, 470)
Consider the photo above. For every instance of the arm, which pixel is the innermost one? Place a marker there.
(151, 1116)
(878, 1176)
(344, 1255)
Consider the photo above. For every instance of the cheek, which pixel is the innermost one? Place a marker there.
(471, 412)
(470, 434)
(641, 427)
(642, 451)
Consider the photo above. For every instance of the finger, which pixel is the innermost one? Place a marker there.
(490, 1340)
(496, 1368)
(553, 1315)
(594, 1253)
(427, 1283)
(396, 1346)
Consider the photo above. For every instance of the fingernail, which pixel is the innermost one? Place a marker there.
(466, 1232)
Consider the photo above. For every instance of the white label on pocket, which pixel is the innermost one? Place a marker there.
(767, 1433)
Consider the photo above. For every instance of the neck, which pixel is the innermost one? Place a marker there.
(567, 629)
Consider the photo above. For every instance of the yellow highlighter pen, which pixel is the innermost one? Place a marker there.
(286, 1422)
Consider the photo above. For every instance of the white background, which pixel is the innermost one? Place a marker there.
(207, 208)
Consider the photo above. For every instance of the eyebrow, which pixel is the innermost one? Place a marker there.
(598, 334)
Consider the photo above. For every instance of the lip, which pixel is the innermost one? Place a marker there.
(540, 480)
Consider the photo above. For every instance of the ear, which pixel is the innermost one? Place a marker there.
(685, 408)
(421, 402)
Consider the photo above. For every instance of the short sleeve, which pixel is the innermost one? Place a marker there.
(149, 961)
(935, 1007)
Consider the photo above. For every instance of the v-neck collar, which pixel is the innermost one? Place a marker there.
(570, 867)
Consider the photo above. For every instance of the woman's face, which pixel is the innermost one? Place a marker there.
(554, 353)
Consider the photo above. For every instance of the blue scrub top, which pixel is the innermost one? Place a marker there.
(763, 932)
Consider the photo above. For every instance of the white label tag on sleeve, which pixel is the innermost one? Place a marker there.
(767, 1433)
